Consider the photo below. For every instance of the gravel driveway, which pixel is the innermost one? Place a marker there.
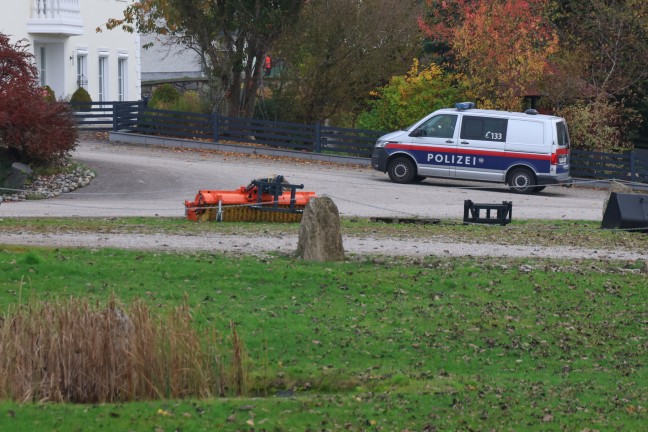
(145, 181)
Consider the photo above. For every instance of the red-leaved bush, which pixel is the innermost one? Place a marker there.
(32, 129)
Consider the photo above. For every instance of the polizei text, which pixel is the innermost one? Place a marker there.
(454, 159)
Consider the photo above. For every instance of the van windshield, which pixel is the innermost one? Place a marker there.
(563, 134)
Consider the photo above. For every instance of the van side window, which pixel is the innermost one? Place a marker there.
(441, 126)
(563, 135)
(483, 128)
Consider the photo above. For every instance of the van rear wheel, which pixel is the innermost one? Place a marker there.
(401, 170)
(522, 181)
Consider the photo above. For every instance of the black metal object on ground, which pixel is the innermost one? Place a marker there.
(495, 213)
(626, 211)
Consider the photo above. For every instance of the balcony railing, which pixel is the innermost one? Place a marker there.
(55, 17)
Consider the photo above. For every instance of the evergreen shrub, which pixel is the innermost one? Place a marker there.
(79, 100)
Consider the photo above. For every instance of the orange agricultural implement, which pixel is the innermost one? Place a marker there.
(263, 200)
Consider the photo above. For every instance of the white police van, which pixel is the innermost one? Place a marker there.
(524, 150)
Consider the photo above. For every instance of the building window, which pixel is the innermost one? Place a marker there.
(103, 78)
(122, 74)
(82, 69)
(42, 76)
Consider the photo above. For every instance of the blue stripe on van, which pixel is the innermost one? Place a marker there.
(484, 159)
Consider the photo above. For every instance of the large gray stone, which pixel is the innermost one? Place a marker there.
(19, 175)
(320, 237)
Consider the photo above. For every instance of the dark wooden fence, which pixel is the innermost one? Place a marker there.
(138, 118)
(95, 116)
(618, 166)
(291, 136)
(356, 142)
(165, 122)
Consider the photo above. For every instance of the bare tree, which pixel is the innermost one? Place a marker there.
(340, 50)
(604, 49)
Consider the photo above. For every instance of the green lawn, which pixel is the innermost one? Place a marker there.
(373, 343)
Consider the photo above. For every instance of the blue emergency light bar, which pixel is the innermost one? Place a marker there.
(464, 105)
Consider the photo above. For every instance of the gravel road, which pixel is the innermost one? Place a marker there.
(288, 244)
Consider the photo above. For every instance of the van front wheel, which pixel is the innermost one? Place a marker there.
(521, 180)
(401, 170)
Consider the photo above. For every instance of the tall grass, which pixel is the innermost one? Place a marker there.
(74, 351)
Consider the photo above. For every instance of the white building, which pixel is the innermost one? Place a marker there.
(165, 61)
(68, 51)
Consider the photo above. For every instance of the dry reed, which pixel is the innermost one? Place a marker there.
(74, 351)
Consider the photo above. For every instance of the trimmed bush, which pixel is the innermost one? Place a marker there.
(80, 95)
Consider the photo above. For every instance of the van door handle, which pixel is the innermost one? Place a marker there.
(465, 142)
(449, 141)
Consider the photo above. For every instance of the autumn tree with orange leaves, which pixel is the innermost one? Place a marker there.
(502, 47)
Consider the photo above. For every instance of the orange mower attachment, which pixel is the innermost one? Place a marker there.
(263, 200)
